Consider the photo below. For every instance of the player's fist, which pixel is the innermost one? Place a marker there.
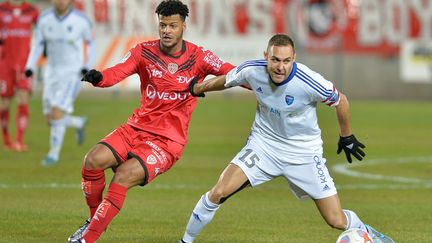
(84, 71)
(192, 86)
(28, 73)
(92, 76)
(350, 145)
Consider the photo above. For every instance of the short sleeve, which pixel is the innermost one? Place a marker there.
(213, 64)
(235, 78)
(238, 76)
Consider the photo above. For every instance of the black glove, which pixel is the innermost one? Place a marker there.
(191, 86)
(28, 73)
(92, 76)
(351, 145)
(84, 71)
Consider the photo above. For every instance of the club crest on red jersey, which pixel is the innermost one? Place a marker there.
(172, 67)
(151, 159)
(16, 12)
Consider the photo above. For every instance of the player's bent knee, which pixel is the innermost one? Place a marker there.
(92, 160)
(216, 195)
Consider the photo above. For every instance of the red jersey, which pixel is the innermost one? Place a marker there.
(16, 27)
(166, 104)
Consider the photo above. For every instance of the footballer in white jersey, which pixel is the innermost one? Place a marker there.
(62, 31)
(285, 140)
(64, 38)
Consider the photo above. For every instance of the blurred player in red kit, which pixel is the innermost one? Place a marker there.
(155, 134)
(16, 26)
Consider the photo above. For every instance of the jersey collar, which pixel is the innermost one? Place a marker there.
(61, 18)
(177, 54)
(291, 76)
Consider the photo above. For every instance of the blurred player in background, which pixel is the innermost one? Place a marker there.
(154, 137)
(17, 19)
(63, 30)
(285, 139)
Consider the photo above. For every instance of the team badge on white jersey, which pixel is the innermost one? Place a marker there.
(289, 99)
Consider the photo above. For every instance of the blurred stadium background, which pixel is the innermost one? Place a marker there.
(378, 52)
(371, 49)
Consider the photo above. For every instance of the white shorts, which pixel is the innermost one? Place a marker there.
(60, 90)
(308, 176)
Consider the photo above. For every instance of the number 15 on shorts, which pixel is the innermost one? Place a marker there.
(249, 158)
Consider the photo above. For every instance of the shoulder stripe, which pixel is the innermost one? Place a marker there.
(313, 83)
(146, 53)
(188, 63)
(313, 87)
(313, 80)
(251, 63)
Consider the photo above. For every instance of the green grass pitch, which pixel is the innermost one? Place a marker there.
(46, 204)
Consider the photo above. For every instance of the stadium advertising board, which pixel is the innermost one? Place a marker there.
(372, 27)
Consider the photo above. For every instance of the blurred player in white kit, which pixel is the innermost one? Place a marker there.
(63, 31)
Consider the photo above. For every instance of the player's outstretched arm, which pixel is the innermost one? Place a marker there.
(347, 141)
(198, 89)
(93, 76)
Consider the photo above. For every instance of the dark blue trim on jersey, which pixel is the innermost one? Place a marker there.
(290, 76)
(313, 83)
(251, 63)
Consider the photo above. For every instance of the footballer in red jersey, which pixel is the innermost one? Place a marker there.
(16, 26)
(154, 136)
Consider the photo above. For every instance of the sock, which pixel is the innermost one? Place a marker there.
(4, 122)
(353, 221)
(93, 184)
(107, 210)
(58, 130)
(74, 121)
(201, 215)
(21, 121)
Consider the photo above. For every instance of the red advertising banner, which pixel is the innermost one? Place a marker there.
(349, 26)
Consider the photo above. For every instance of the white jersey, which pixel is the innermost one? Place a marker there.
(286, 119)
(64, 39)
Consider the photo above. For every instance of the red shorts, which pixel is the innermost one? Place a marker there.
(11, 79)
(156, 154)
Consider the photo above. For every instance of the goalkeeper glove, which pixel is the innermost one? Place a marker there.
(84, 71)
(191, 88)
(351, 145)
(92, 76)
(28, 73)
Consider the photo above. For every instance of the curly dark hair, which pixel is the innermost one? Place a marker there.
(172, 7)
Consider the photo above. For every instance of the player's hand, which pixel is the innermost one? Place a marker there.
(351, 145)
(192, 86)
(84, 71)
(28, 73)
(92, 76)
